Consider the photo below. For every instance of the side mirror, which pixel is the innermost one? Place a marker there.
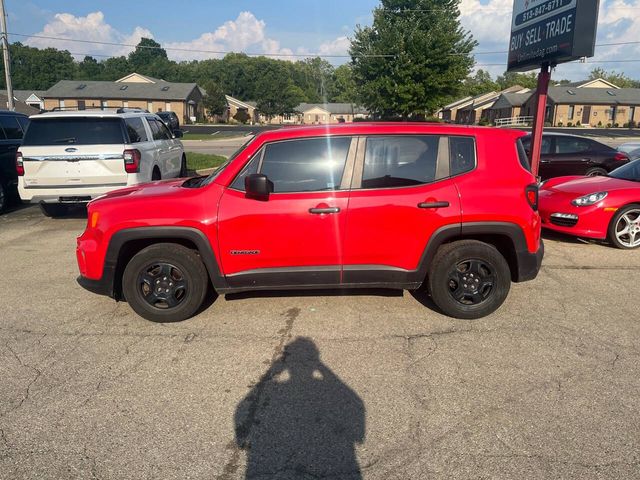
(178, 134)
(258, 186)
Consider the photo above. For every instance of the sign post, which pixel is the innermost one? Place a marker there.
(545, 33)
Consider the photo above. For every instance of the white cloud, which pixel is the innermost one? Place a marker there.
(92, 28)
(339, 46)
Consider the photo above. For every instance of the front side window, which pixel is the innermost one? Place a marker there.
(400, 161)
(158, 130)
(546, 145)
(571, 111)
(306, 165)
(136, 130)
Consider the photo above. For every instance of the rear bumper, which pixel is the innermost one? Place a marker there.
(65, 194)
(529, 264)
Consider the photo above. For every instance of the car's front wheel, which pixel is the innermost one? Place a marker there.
(596, 172)
(624, 229)
(469, 279)
(165, 282)
(183, 167)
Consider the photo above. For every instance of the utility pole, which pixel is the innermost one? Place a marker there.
(4, 38)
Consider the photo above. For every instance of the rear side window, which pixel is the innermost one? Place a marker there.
(11, 127)
(400, 161)
(522, 155)
(136, 130)
(306, 165)
(74, 130)
(572, 145)
(462, 155)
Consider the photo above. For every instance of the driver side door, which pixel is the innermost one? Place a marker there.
(294, 237)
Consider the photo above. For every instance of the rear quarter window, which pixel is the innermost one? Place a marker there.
(462, 155)
(522, 155)
(74, 131)
(136, 130)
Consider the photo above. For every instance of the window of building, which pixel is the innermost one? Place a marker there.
(150, 106)
(81, 105)
(167, 106)
(61, 103)
(572, 109)
(125, 104)
(136, 130)
(632, 113)
(400, 161)
(612, 113)
(104, 104)
(306, 165)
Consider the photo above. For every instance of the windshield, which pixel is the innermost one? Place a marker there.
(630, 171)
(220, 169)
(74, 131)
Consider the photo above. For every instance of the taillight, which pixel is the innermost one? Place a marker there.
(532, 195)
(19, 164)
(621, 156)
(131, 161)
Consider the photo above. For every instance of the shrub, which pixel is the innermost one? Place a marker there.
(569, 124)
(599, 124)
(578, 123)
(609, 125)
(484, 122)
(560, 124)
(632, 124)
(616, 125)
(241, 116)
(547, 124)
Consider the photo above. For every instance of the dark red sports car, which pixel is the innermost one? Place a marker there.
(606, 207)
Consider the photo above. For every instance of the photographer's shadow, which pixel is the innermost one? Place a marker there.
(300, 420)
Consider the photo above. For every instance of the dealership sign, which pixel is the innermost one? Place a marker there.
(549, 32)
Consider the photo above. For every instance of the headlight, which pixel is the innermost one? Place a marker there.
(590, 199)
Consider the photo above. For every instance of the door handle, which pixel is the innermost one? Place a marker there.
(433, 204)
(545, 161)
(318, 211)
(585, 159)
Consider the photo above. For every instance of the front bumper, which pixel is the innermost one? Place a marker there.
(529, 263)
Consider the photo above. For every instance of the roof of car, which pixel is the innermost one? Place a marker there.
(382, 128)
(91, 113)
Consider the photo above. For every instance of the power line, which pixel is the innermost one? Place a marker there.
(298, 55)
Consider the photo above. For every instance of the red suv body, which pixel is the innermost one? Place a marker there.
(351, 205)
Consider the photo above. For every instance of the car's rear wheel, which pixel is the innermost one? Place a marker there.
(183, 166)
(624, 229)
(155, 175)
(469, 279)
(165, 282)
(596, 172)
(54, 209)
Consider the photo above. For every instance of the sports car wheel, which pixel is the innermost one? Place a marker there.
(624, 230)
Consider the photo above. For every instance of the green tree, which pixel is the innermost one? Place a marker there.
(509, 79)
(344, 86)
(214, 101)
(619, 79)
(146, 53)
(415, 55)
(479, 83)
(116, 67)
(90, 69)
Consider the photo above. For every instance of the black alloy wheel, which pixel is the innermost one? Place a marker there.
(471, 281)
(162, 285)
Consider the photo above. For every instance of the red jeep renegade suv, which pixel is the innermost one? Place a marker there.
(351, 205)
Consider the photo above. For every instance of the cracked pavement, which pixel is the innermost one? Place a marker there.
(368, 384)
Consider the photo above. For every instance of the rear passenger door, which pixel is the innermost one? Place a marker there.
(169, 151)
(573, 156)
(140, 139)
(402, 192)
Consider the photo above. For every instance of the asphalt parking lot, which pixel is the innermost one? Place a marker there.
(369, 384)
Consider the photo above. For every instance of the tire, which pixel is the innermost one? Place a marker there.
(183, 167)
(628, 216)
(596, 172)
(4, 197)
(54, 210)
(479, 264)
(168, 266)
(155, 175)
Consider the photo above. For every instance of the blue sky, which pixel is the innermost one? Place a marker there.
(281, 27)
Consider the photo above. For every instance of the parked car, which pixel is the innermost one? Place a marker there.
(72, 157)
(170, 119)
(634, 154)
(605, 207)
(564, 154)
(628, 147)
(339, 206)
(12, 127)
